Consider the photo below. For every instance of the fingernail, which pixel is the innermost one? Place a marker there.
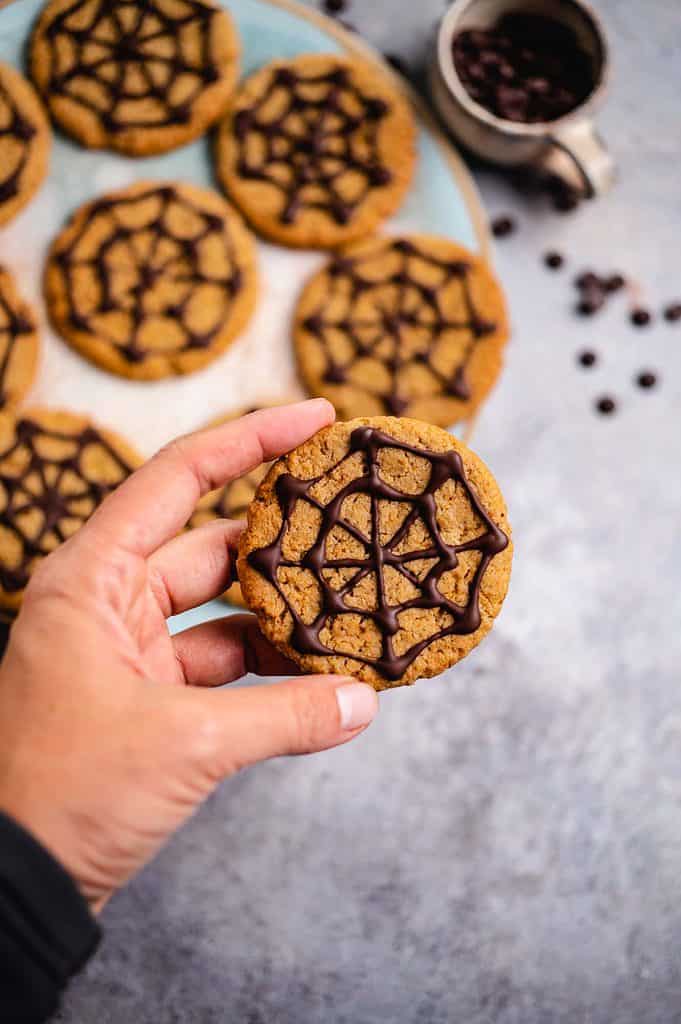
(357, 703)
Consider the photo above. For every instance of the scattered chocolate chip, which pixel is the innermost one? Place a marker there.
(606, 405)
(335, 6)
(646, 379)
(587, 358)
(503, 226)
(554, 260)
(589, 306)
(587, 279)
(640, 317)
(614, 283)
(672, 312)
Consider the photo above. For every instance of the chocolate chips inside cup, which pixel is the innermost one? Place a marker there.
(525, 68)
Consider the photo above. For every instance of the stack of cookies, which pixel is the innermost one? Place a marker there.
(161, 277)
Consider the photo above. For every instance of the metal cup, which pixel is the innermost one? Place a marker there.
(569, 146)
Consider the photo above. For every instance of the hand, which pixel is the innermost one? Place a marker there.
(110, 735)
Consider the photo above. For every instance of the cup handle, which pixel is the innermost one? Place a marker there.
(577, 154)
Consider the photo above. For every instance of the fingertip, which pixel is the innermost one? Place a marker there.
(357, 705)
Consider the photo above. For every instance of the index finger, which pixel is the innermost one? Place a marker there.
(155, 502)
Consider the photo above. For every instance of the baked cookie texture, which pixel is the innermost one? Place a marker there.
(232, 500)
(25, 142)
(56, 467)
(154, 280)
(19, 343)
(140, 78)
(317, 150)
(380, 548)
(412, 325)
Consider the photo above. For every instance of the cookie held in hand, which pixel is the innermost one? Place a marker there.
(380, 548)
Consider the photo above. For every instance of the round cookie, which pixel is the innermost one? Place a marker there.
(25, 142)
(412, 325)
(232, 500)
(317, 150)
(154, 280)
(55, 468)
(139, 78)
(380, 548)
(18, 343)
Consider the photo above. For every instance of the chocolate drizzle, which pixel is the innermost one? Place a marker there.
(306, 636)
(127, 54)
(16, 127)
(135, 267)
(14, 323)
(58, 488)
(376, 311)
(320, 148)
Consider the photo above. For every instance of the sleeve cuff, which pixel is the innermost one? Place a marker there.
(45, 924)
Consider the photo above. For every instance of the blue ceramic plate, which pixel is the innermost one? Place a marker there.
(442, 200)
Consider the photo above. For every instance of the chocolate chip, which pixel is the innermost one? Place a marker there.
(646, 379)
(587, 358)
(606, 405)
(587, 279)
(553, 260)
(672, 312)
(589, 306)
(614, 283)
(334, 6)
(640, 317)
(503, 226)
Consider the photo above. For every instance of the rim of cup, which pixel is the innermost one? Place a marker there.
(445, 57)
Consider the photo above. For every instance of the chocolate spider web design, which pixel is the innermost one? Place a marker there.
(389, 322)
(13, 125)
(306, 637)
(183, 269)
(315, 160)
(21, 498)
(13, 324)
(130, 47)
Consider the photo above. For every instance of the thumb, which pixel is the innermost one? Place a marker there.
(300, 716)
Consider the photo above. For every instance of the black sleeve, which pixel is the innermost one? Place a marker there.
(46, 929)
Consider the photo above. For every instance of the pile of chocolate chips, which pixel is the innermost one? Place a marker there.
(525, 67)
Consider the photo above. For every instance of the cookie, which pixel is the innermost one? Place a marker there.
(232, 500)
(380, 548)
(18, 343)
(413, 325)
(317, 150)
(154, 280)
(55, 468)
(139, 78)
(25, 142)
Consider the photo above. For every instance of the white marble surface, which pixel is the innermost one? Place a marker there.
(504, 844)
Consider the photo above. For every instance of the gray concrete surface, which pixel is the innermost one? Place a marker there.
(504, 844)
